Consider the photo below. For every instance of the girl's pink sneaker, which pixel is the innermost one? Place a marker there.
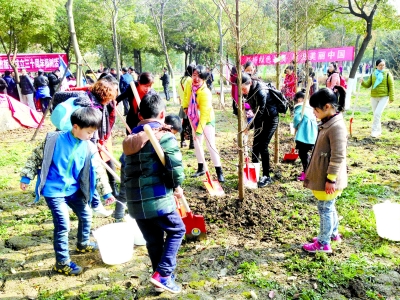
(302, 176)
(317, 247)
(337, 238)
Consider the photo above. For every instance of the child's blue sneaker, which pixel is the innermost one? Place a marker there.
(91, 247)
(167, 283)
(70, 268)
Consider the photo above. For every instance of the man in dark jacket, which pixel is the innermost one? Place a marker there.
(54, 79)
(124, 82)
(12, 86)
(27, 89)
(165, 83)
(41, 84)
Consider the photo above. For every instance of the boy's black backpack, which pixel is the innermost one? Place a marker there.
(282, 104)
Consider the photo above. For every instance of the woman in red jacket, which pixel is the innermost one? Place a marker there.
(289, 84)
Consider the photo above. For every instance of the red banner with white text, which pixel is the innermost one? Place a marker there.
(314, 55)
(48, 62)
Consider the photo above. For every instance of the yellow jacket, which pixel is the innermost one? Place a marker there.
(187, 92)
(204, 104)
(182, 87)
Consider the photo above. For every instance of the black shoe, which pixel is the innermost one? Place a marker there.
(191, 146)
(219, 174)
(69, 269)
(221, 177)
(264, 181)
(200, 170)
(199, 173)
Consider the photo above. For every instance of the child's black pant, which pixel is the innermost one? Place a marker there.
(304, 155)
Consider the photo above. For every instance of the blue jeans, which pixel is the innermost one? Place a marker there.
(329, 221)
(163, 252)
(59, 210)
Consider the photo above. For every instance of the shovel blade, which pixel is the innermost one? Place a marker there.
(213, 186)
(250, 177)
(195, 225)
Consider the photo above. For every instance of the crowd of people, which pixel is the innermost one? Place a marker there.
(72, 159)
(32, 89)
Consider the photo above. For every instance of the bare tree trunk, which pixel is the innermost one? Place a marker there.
(240, 103)
(357, 42)
(78, 55)
(221, 53)
(351, 83)
(278, 72)
(159, 22)
(114, 16)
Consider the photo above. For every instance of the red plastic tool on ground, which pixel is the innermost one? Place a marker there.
(250, 175)
(291, 156)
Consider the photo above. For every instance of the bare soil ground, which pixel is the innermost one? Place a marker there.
(267, 228)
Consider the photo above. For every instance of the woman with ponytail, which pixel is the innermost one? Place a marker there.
(266, 121)
(382, 92)
(197, 104)
(326, 175)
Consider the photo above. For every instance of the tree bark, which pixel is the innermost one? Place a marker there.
(159, 22)
(221, 53)
(115, 37)
(352, 82)
(240, 104)
(74, 40)
(278, 73)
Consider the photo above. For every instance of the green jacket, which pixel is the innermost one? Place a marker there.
(385, 88)
(150, 185)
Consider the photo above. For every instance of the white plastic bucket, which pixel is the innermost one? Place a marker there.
(138, 238)
(387, 216)
(115, 242)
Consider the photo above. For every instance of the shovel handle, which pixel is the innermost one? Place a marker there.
(103, 149)
(154, 142)
(123, 120)
(135, 93)
(160, 153)
(111, 171)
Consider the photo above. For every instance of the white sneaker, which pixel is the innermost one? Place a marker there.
(375, 134)
(101, 212)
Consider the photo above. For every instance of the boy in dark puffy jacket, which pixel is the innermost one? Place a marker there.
(152, 189)
(70, 172)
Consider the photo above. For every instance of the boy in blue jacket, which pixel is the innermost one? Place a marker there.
(70, 172)
(151, 189)
(306, 130)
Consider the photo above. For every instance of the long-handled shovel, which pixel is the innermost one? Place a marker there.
(212, 186)
(195, 224)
